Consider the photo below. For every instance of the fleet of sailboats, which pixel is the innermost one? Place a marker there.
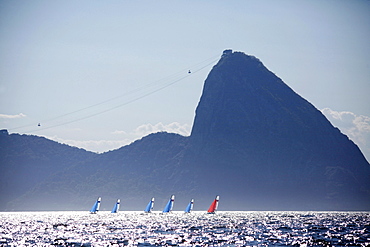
(167, 209)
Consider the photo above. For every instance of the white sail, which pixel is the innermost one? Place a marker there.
(190, 206)
(96, 206)
(169, 206)
(150, 206)
(116, 206)
(213, 208)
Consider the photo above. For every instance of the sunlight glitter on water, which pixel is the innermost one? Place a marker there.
(179, 229)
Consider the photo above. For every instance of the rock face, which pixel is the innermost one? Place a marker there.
(270, 146)
(254, 142)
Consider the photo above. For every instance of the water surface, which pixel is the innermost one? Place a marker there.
(180, 229)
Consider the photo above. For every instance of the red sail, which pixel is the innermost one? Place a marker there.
(214, 205)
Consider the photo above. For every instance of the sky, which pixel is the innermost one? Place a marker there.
(102, 74)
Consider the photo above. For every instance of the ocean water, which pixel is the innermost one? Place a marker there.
(180, 229)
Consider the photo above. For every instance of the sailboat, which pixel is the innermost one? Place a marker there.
(213, 208)
(116, 206)
(190, 206)
(169, 206)
(96, 206)
(150, 206)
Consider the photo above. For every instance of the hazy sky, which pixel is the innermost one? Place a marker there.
(62, 61)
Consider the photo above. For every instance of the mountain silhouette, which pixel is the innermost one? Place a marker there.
(254, 142)
(26, 161)
(270, 145)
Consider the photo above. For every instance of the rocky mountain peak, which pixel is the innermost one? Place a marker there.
(253, 128)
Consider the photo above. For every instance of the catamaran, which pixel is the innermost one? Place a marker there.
(190, 206)
(116, 206)
(169, 206)
(150, 206)
(213, 208)
(96, 206)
